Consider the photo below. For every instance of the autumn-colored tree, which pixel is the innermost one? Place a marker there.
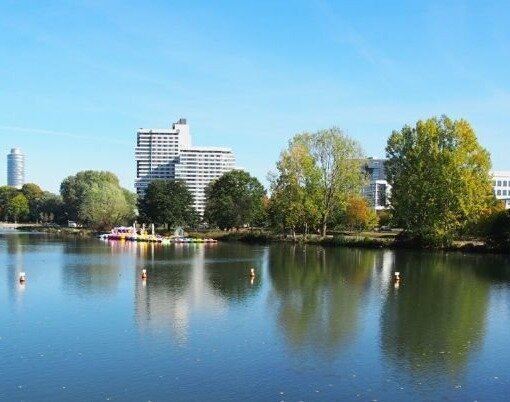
(359, 215)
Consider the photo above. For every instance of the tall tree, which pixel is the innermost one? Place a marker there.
(34, 195)
(104, 205)
(6, 194)
(52, 209)
(168, 202)
(74, 188)
(17, 207)
(233, 200)
(96, 199)
(329, 171)
(440, 178)
(295, 190)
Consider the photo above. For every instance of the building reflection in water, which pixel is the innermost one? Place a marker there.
(176, 286)
(188, 280)
(33, 254)
(14, 265)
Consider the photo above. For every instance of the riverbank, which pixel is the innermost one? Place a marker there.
(58, 231)
(368, 240)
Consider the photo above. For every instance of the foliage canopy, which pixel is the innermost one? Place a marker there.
(168, 202)
(233, 200)
(315, 177)
(440, 178)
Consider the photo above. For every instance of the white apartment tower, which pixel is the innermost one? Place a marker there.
(167, 154)
(16, 168)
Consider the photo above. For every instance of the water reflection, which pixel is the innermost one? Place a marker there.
(175, 286)
(191, 278)
(24, 252)
(89, 270)
(318, 293)
(228, 272)
(435, 321)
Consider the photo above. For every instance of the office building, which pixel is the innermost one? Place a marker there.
(167, 154)
(501, 186)
(377, 191)
(15, 168)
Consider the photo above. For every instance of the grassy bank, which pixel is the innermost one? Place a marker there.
(59, 231)
(370, 240)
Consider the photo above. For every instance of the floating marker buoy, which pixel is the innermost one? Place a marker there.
(252, 272)
(144, 274)
(22, 277)
(397, 276)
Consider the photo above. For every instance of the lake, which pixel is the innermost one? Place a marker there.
(315, 324)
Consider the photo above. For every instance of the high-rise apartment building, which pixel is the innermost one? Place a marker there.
(167, 154)
(15, 168)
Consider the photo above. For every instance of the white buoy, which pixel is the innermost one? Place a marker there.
(252, 272)
(22, 277)
(397, 276)
(144, 274)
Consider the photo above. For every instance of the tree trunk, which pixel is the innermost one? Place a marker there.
(324, 227)
(324, 223)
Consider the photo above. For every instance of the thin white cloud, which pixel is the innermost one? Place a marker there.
(42, 132)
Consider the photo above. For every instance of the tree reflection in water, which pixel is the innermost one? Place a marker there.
(435, 321)
(318, 293)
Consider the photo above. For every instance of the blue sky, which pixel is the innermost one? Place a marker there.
(79, 77)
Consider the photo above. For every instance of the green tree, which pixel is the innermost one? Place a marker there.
(168, 202)
(34, 195)
(17, 207)
(233, 200)
(104, 205)
(6, 194)
(440, 178)
(74, 188)
(96, 199)
(326, 174)
(52, 208)
(295, 190)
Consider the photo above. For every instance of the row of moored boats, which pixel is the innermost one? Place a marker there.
(128, 233)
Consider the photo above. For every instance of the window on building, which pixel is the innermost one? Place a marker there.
(499, 183)
(498, 192)
(504, 183)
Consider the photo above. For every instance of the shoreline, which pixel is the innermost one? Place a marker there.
(362, 240)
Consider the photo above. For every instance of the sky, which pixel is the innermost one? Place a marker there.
(78, 78)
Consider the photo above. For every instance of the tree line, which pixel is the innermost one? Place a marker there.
(93, 198)
(438, 172)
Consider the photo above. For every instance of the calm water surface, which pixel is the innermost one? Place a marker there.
(314, 325)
